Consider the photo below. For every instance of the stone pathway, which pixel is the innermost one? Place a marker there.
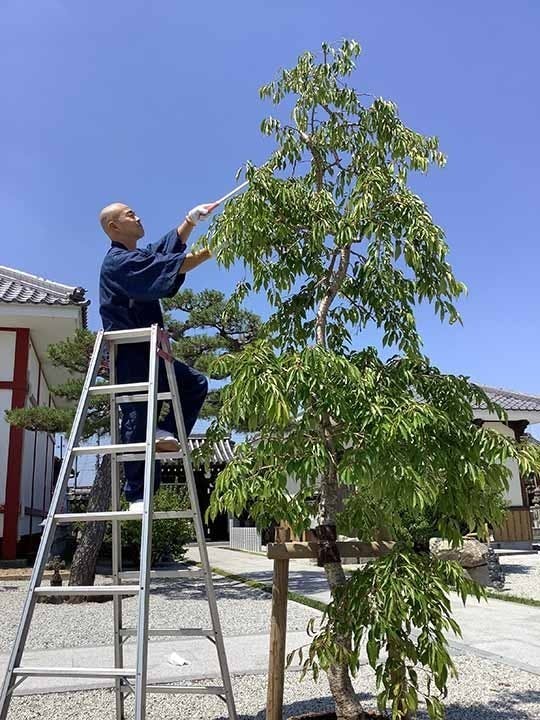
(504, 631)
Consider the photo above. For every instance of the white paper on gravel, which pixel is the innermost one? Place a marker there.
(176, 659)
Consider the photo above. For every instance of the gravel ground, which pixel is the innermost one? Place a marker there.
(484, 691)
(243, 611)
(522, 575)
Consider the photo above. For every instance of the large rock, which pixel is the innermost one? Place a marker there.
(480, 575)
(471, 554)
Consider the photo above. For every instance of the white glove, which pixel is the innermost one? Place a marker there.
(200, 212)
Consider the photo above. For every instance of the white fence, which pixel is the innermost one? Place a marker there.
(244, 538)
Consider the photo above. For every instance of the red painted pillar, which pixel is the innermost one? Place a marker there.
(15, 454)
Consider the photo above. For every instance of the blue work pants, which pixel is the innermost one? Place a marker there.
(132, 366)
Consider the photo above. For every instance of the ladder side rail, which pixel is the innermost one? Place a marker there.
(146, 532)
(116, 543)
(49, 527)
(199, 530)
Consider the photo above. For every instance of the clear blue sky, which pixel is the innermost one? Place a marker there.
(156, 104)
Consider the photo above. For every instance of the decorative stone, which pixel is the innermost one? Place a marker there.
(56, 581)
(480, 575)
(471, 554)
(496, 573)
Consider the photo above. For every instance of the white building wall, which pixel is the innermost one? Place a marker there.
(37, 465)
(7, 354)
(26, 481)
(43, 478)
(42, 475)
(513, 495)
(29, 441)
(44, 394)
(33, 375)
(50, 471)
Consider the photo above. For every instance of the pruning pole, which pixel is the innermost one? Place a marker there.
(214, 205)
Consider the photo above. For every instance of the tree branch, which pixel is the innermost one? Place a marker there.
(357, 305)
(334, 287)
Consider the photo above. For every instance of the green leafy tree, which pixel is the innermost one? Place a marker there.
(202, 336)
(331, 231)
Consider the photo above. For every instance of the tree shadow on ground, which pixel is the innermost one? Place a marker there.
(299, 707)
(512, 706)
(519, 569)
(305, 583)
(308, 582)
(322, 704)
(507, 706)
(187, 589)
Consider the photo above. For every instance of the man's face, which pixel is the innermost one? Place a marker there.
(129, 224)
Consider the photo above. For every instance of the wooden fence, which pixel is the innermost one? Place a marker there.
(517, 526)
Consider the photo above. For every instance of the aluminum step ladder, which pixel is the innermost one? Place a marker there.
(126, 679)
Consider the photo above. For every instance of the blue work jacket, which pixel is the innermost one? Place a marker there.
(132, 282)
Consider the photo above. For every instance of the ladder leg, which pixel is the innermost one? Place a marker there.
(49, 530)
(116, 546)
(146, 533)
(199, 531)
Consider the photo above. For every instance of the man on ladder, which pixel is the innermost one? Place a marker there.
(132, 282)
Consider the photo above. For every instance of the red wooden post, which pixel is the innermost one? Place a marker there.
(15, 454)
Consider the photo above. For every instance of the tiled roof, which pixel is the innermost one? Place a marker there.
(223, 450)
(510, 400)
(23, 288)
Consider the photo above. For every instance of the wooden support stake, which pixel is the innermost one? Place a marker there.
(278, 639)
(350, 548)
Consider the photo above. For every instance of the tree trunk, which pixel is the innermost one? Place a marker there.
(348, 707)
(399, 678)
(83, 567)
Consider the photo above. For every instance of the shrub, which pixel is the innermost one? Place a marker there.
(169, 537)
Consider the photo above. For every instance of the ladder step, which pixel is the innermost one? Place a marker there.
(125, 452)
(114, 389)
(110, 449)
(75, 672)
(132, 457)
(122, 336)
(173, 632)
(88, 590)
(179, 690)
(165, 574)
(141, 397)
(171, 514)
(121, 515)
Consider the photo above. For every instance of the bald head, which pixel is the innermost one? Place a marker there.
(121, 224)
(110, 214)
